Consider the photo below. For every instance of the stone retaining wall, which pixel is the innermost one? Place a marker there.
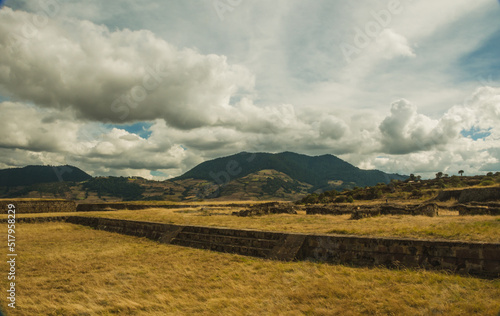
(363, 211)
(477, 209)
(268, 208)
(474, 258)
(481, 259)
(34, 220)
(470, 195)
(124, 206)
(129, 206)
(53, 206)
(39, 206)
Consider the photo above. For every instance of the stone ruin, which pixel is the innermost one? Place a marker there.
(427, 209)
(363, 211)
(330, 209)
(25, 206)
(267, 208)
(477, 208)
(474, 201)
(469, 258)
(470, 195)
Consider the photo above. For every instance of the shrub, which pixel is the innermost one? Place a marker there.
(417, 193)
(310, 199)
(485, 183)
(440, 184)
(341, 199)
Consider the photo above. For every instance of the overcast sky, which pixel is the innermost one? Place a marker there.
(152, 88)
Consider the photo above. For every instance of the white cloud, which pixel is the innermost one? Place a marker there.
(28, 127)
(332, 127)
(284, 85)
(120, 76)
(405, 141)
(412, 141)
(390, 44)
(405, 131)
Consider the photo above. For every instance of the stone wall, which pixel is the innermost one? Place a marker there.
(474, 258)
(130, 206)
(482, 259)
(39, 206)
(478, 209)
(330, 209)
(480, 195)
(447, 195)
(267, 209)
(34, 220)
(52, 206)
(124, 206)
(362, 211)
(470, 195)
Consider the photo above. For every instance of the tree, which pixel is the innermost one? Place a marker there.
(439, 175)
(412, 177)
(461, 172)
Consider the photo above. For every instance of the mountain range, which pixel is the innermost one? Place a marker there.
(244, 176)
(318, 171)
(31, 175)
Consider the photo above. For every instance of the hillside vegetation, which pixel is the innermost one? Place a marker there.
(317, 171)
(408, 190)
(244, 176)
(31, 175)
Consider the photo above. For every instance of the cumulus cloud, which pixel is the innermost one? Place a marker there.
(332, 127)
(67, 77)
(390, 44)
(31, 135)
(28, 127)
(403, 140)
(113, 76)
(412, 141)
(247, 117)
(405, 131)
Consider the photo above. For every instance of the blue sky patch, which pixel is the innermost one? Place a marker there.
(476, 133)
(141, 129)
(484, 61)
(156, 173)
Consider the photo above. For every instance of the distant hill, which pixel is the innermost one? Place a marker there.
(244, 176)
(31, 175)
(321, 172)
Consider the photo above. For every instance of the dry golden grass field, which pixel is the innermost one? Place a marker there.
(65, 269)
(449, 226)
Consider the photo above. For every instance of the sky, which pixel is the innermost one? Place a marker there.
(153, 88)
